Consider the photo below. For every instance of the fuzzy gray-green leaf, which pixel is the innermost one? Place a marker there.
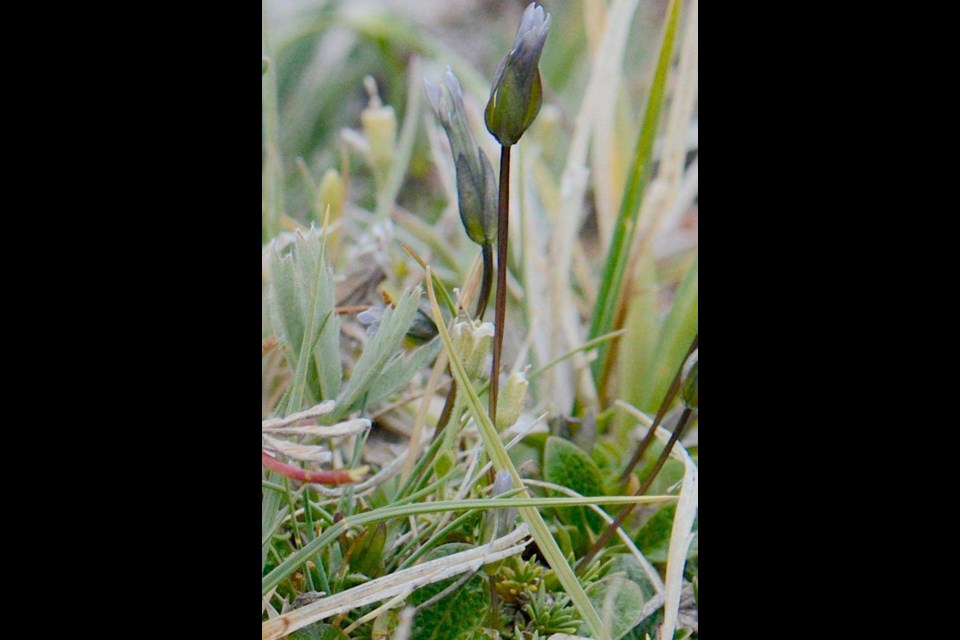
(397, 374)
(378, 353)
(620, 603)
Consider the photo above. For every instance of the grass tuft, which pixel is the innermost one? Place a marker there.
(383, 423)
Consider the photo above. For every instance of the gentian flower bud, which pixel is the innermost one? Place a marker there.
(517, 92)
(476, 185)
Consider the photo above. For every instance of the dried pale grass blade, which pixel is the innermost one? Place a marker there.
(342, 430)
(301, 452)
(398, 583)
(682, 535)
(671, 187)
(680, 541)
(320, 410)
(683, 105)
(405, 624)
(602, 89)
(675, 240)
(265, 604)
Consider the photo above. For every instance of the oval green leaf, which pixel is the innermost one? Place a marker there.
(567, 465)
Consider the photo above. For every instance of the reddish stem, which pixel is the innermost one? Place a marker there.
(334, 478)
(503, 254)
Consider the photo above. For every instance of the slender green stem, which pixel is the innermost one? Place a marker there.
(503, 254)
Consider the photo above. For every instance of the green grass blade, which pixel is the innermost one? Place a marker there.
(614, 273)
(297, 560)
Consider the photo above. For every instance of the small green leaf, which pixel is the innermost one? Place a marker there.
(620, 603)
(567, 465)
(633, 571)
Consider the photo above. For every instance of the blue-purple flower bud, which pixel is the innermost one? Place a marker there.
(476, 185)
(517, 93)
